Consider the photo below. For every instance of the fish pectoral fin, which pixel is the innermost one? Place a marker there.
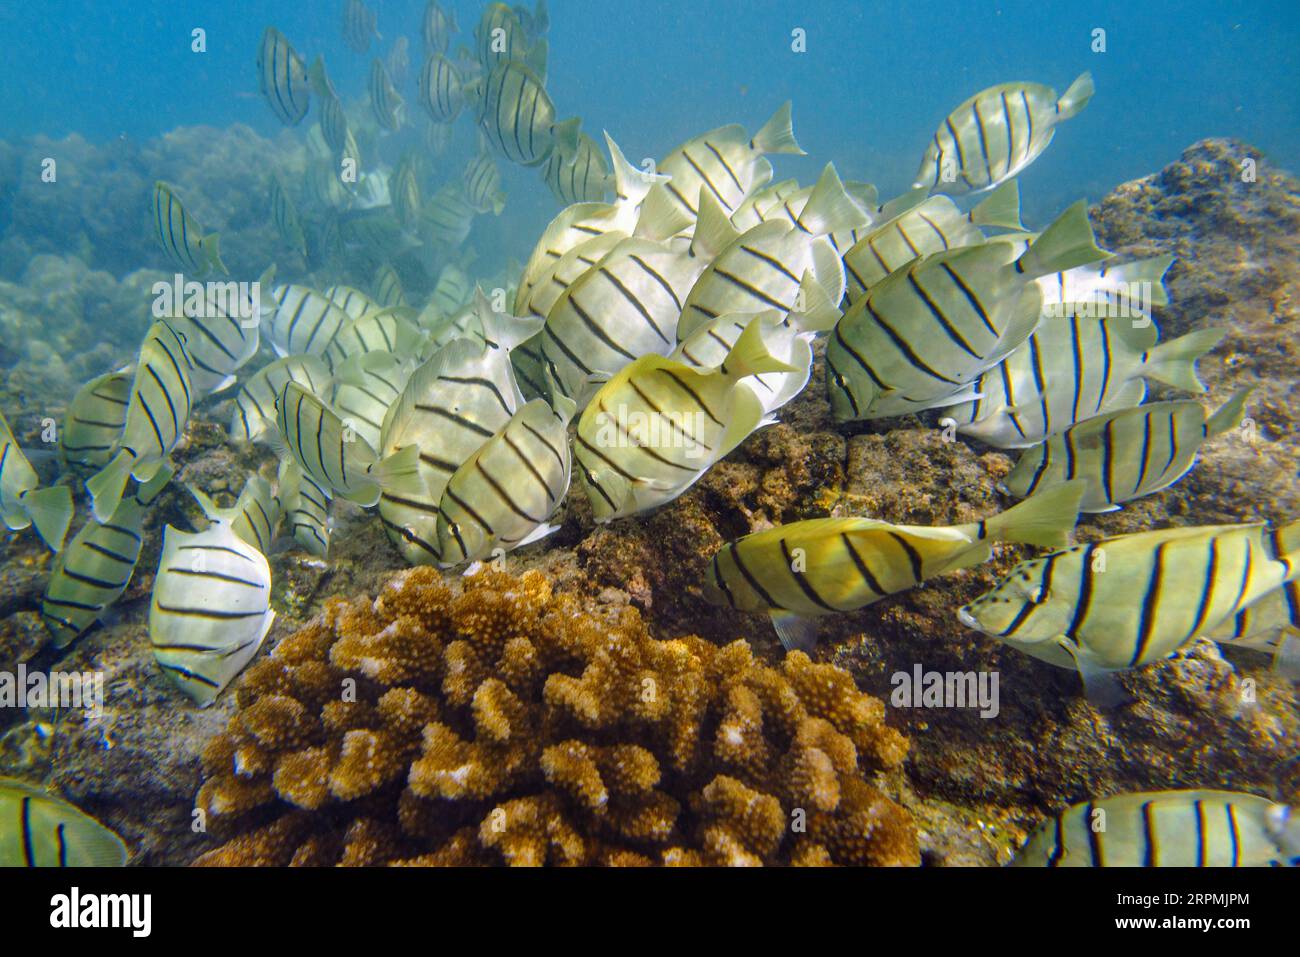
(537, 534)
(50, 510)
(1100, 686)
(796, 633)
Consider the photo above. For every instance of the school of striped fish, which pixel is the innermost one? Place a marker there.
(663, 317)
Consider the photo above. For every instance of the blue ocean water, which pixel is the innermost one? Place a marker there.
(875, 80)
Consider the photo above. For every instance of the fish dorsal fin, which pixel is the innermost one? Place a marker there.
(713, 229)
(900, 204)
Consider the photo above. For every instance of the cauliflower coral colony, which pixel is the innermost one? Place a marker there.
(496, 722)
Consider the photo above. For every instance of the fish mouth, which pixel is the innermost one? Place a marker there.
(967, 619)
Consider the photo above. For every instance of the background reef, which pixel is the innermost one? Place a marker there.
(73, 303)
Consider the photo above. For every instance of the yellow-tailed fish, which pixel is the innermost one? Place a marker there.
(450, 406)
(518, 118)
(997, 133)
(448, 216)
(325, 188)
(1126, 454)
(726, 163)
(482, 182)
(23, 502)
(788, 338)
(181, 236)
(931, 226)
(1072, 368)
(305, 507)
(156, 415)
(583, 177)
(388, 287)
(563, 272)
(805, 570)
(921, 338)
(775, 265)
(652, 430)
(584, 221)
(38, 829)
(210, 610)
(438, 27)
(503, 496)
(285, 216)
(365, 389)
(220, 331)
(624, 307)
(1135, 599)
(442, 91)
(359, 26)
(385, 102)
(282, 77)
(254, 411)
(254, 517)
(335, 456)
(404, 191)
(453, 289)
(301, 321)
(95, 418)
(93, 571)
(503, 35)
(1193, 828)
(355, 302)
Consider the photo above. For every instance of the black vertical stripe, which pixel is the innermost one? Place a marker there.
(1150, 605)
(1150, 851)
(1085, 594)
(26, 824)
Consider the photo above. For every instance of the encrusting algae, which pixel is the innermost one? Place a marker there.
(503, 723)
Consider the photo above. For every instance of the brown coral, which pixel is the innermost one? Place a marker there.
(504, 724)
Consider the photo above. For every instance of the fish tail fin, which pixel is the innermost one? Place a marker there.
(1000, 209)
(50, 510)
(212, 246)
(209, 507)
(777, 134)
(830, 208)
(1076, 97)
(1067, 243)
(566, 137)
(400, 472)
(630, 183)
(106, 485)
(536, 59)
(150, 490)
(1174, 362)
(1229, 415)
(814, 311)
(498, 203)
(1151, 271)
(749, 356)
(1045, 519)
(320, 83)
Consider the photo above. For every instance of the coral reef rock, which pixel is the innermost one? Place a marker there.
(503, 723)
